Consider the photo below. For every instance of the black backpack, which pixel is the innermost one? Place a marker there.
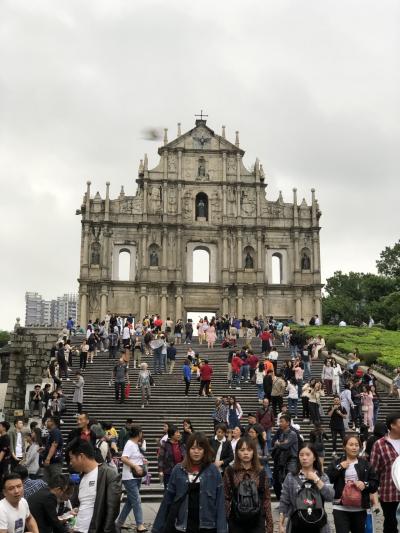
(310, 514)
(247, 501)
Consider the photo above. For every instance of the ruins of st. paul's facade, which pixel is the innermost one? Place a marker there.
(264, 255)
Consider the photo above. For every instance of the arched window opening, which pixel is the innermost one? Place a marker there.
(124, 265)
(201, 265)
(201, 206)
(277, 269)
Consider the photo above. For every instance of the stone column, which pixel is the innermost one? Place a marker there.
(179, 254)
(317, 304)
(224, 250)
(103, 302)
(239, 250)
(296, 252)
(179, 199)
(143, 303)
(316, 252)
(260, 302)
(144, 247)
(106, 253)
(164, 248)
(163, 310)
(144, 197)
(295, 208)
(239, 302)
(224, 184)
(259, 251)
(225, 305)
(83, 311)
(299, 311)
(178, 306)
(232, 258)
(85, 251)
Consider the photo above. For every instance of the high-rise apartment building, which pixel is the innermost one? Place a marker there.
(49, 312)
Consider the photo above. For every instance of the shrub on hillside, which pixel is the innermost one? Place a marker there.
(369, 358)
(332, 341)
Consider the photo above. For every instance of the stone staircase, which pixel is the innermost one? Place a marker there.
(168, 403)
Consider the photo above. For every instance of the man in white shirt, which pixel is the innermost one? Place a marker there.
(132, 472)
(99, 490)
(14, 509)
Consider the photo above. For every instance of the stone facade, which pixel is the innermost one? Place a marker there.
(28, 360)
(199, 196)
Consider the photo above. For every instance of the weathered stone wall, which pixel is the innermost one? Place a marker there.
(29, 358)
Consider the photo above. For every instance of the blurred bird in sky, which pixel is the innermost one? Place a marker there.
(152, 134)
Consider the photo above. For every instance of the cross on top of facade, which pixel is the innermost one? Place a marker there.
(201, 116)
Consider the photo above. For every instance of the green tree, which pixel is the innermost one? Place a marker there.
(389, 262)
(4, 338)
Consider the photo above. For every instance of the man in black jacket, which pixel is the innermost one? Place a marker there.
(222, 447)
(99, 490)
(43, 505)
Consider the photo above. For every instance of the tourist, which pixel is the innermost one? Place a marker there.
(308, 469)
(82, 430)
(319, 345)
(31, 460)
(288, 371)
(267, 384)
(316, 394)
(170, 453)
(123, 434)
(31, 486)
(337, 414)
(211, 335)
(306, 360)
(259, 380)
(265, 341)
(277, 392)
(293, 397)
(187, 375)
(36, 401)
(222, 448)
(5, 454)
(337, 372)
(367, 406)
(234, 414)
(178, 331)
(206, 372)
(265, 417)
(144, 382)
(221, 411)
(92, 342)
(298, 375)
(284, 452)
(234, 437)
(247, 467)
(196, 487)
(120, 377)
(53, 452)
(187, 430)
(15, 515)
(354, 479)
(171, 357)
(113, 343)
(188, 331)
(78, 391)
(43, 505)
(384, 452)
(236, 367)
(17, 442)
(327, 376)
(62, 363)
(99, 490)
(317, 437)
(164, 349)
(257, 434)
(347, 403)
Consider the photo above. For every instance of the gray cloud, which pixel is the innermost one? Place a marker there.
(313, 88)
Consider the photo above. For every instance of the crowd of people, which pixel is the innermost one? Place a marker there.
(217, 482)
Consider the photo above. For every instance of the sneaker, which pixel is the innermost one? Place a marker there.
(68, 379)
(118, 527)
(238, 388)
(142, 405)
(61, 421)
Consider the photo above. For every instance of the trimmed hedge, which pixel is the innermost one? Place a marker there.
(375, 345)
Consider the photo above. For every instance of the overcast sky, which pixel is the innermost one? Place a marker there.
(313, 87)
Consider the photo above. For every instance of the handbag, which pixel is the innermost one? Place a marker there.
(364, 408)
(127, 390)
(351, 495)
(151, 380)
(173, 509)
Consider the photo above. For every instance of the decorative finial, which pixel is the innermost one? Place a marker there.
(237, 139)
(165, 136)
(146, 162)
(223, 132)
(122, 193)
(141, 167)
(179, 129)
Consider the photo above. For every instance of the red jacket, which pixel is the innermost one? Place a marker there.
(253, 361)
(206, 372)
(265, 336)
(236, 364)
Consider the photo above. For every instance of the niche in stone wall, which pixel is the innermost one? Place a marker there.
(154, 255)
(201, 206)
(305, 260)
(249, 258)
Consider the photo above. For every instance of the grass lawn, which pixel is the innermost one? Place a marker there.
(382, 342)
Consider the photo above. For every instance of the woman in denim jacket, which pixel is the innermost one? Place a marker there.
(199, 480)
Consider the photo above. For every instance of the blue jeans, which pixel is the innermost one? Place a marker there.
(292, 406)
(244, 372)
(260, 391)
(293, 351)
(269, 439)
(133, 502)
(307, 370)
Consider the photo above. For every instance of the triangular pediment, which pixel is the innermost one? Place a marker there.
(202, 138)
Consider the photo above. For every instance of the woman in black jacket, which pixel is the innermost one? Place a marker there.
(354, 473)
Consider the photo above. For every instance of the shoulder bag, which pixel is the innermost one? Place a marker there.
(173, 509)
